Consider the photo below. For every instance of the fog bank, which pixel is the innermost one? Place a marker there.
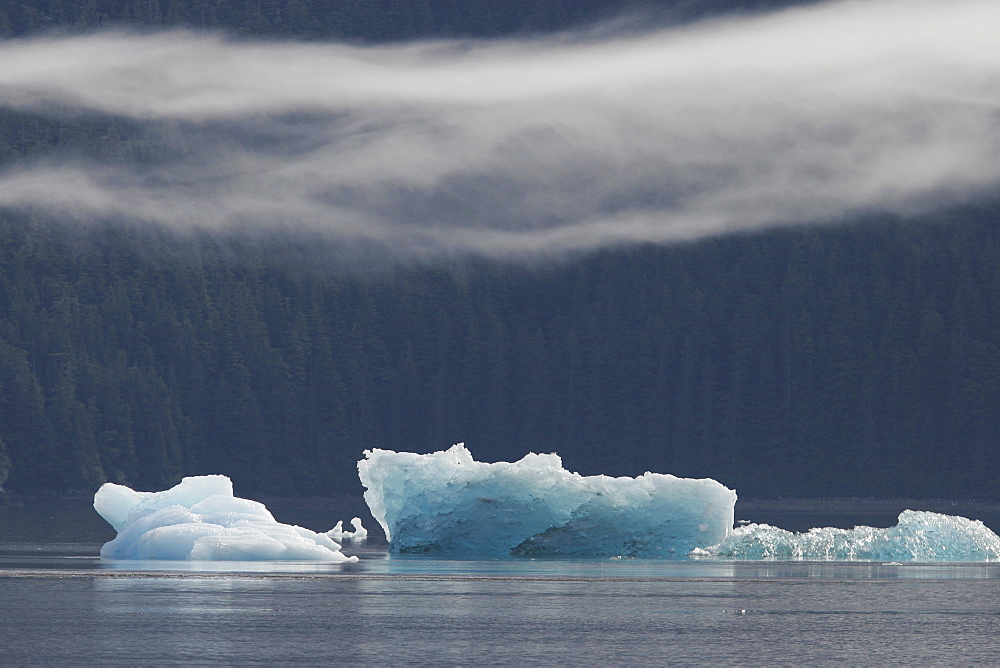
(514, 148)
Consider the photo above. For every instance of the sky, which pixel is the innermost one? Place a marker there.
(530, 147)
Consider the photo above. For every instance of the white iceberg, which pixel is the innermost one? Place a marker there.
(918, 536)
(447, 503)
(200, 519)
(338, 532)
(359, 533)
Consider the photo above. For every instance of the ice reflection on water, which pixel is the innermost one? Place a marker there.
(383, 566)
(63, 604)
(865, 571)
(389, 566)
(432, 611)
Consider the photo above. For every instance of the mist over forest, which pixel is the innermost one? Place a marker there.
(257, 238)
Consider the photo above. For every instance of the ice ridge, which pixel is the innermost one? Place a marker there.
(918, 536)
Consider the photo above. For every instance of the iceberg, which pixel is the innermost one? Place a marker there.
(360, 533)
(201, 519)
(446, 503)
(918, 536)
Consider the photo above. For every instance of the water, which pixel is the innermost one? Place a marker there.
(62, 604)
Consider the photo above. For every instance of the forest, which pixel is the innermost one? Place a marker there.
(354, 20)
(857, 359)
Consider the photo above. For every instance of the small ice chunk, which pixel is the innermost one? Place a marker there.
(918, 536)
(338, 533)
(200, 519)
(448, 503)
(360, 532)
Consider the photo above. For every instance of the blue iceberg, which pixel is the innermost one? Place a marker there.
(447, 503)
(918, 536)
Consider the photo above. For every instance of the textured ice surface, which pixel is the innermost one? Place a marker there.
(919, 536)
(448, 503)
(201, 519)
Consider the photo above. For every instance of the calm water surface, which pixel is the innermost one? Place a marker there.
(61, 604)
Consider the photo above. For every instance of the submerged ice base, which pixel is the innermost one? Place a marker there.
(200, 519)
(919, 536)
(447, 503)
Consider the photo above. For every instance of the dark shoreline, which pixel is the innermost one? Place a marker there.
(863, 505)
(805, 505)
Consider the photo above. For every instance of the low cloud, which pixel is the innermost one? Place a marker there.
(519, 148)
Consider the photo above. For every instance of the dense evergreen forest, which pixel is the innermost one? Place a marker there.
(361, 20)
(862, 359)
